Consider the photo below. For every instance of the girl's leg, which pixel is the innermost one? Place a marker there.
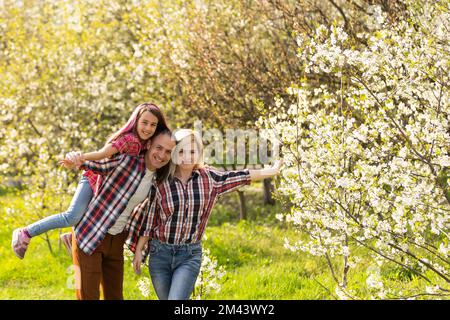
(80, 202)
(186, 272)
(71, 217)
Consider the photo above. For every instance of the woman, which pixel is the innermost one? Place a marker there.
(178, 216)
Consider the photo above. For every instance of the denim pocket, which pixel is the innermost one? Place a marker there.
(196, 251)
(153, 249)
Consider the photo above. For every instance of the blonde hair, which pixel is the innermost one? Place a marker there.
(180, 135)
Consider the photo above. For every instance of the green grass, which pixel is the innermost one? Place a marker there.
(258, 267)
(252, 252)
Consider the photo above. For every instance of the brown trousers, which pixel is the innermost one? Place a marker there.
(104, 266)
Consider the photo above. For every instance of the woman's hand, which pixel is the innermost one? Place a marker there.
(265, 173)
(277, 166)
(137, 261)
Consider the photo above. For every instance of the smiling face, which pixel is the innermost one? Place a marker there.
(187, 153)
(146, 125)
(159, 153)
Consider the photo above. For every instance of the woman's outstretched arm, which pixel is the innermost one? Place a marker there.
(227, 181)
(265, 173)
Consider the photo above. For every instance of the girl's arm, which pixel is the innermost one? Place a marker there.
(138, 254)
(106, 152)
(127, 143)
(265, 173)
(75, 159)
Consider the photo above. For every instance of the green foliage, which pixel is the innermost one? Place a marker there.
(226, 210)
(71, 75)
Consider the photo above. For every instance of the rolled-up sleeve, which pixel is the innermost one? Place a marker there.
(103, 167)
(128, 143)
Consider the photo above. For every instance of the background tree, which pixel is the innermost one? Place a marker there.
(369, 161)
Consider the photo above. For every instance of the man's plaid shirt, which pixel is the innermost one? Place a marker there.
(127, 143)
(123, 175)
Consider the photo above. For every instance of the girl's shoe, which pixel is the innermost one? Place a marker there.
(20, 242)
(66, 238)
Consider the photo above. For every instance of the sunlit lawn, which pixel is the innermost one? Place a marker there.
(257, 264)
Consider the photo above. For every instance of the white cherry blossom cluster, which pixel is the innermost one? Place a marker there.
(367, 154)
(210, 277)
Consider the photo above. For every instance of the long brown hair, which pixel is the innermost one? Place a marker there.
(131, 125)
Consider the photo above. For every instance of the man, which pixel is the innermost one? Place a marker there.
(98, 241)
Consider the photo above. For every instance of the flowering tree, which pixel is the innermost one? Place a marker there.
(210, 277)
(368, 150)
(71, 74)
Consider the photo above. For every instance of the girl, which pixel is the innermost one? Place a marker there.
(177, 218)
(131, 139)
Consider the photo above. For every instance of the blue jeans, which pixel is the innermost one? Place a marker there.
(174, 269)
(71, 217)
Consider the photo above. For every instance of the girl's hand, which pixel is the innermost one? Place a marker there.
(76, 157)
(137, 262)
(67, 163)
(73, 159)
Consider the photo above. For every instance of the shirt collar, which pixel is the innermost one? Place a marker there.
(195, 174)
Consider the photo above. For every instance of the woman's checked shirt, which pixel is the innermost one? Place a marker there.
(179, 213)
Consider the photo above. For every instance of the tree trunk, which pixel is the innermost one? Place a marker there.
(49, 243)
(59, 240)
(268, 189)
(243, 203)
